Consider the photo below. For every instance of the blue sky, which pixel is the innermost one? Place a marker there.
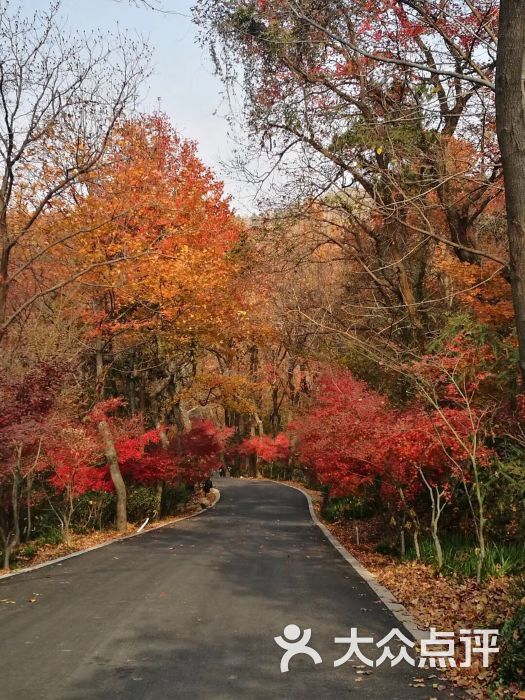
(183, 75)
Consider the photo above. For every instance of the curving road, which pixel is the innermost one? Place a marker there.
(190, 612)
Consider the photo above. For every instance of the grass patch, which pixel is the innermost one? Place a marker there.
(460, 557)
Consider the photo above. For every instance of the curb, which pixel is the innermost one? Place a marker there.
(80, 552)
(396, 608)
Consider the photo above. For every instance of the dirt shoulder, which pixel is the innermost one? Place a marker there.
(45, 552)
(445, 602)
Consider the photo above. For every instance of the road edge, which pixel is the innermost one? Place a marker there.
(80, 552)
(384, 594)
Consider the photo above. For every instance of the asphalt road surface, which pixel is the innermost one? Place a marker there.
(191, 611)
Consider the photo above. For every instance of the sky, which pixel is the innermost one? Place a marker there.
(182, 77)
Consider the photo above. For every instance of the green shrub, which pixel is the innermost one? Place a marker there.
(512, 649)
(174, 498)
(28, 550)
(51, 536)
(142, 503)
(350, 507)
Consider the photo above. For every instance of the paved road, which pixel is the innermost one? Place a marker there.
(191, 611)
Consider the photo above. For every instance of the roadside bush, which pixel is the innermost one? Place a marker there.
(174, 498)
(387, 548)
(350, 507)
(512, 647)
(142, 503)
(51, 536)
(94, 511)
(27, 550)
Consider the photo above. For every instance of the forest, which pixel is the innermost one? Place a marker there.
(362, 334)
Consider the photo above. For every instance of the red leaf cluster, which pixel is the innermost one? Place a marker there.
(353, 438)
(266, 448)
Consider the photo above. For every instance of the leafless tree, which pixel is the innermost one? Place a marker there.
(156, 5)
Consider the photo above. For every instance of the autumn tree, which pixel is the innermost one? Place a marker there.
(338, 437)
(60, 99)
(384, 137)
(26, 404)
(70, 469)
(167, 327)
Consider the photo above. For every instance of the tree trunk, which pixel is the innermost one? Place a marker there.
(182, 422)
(29, 495)
(436, 499)
(99, 359)
(29, 492)
(159, 486)
(402, 545)
(480, 526)
(3, 290)
(159, 490)
(116, 475)
(164, 439)
(416, 544)
(15, 504)
(434, 529)
(7, 539)
(275, 417)
(253, 462)
(8, 547)
(482, 553)
(5, 254)
(66, 531)
(510, 114)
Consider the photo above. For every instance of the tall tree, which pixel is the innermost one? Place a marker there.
(60, 99)
(342, 80)
(510, 106)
